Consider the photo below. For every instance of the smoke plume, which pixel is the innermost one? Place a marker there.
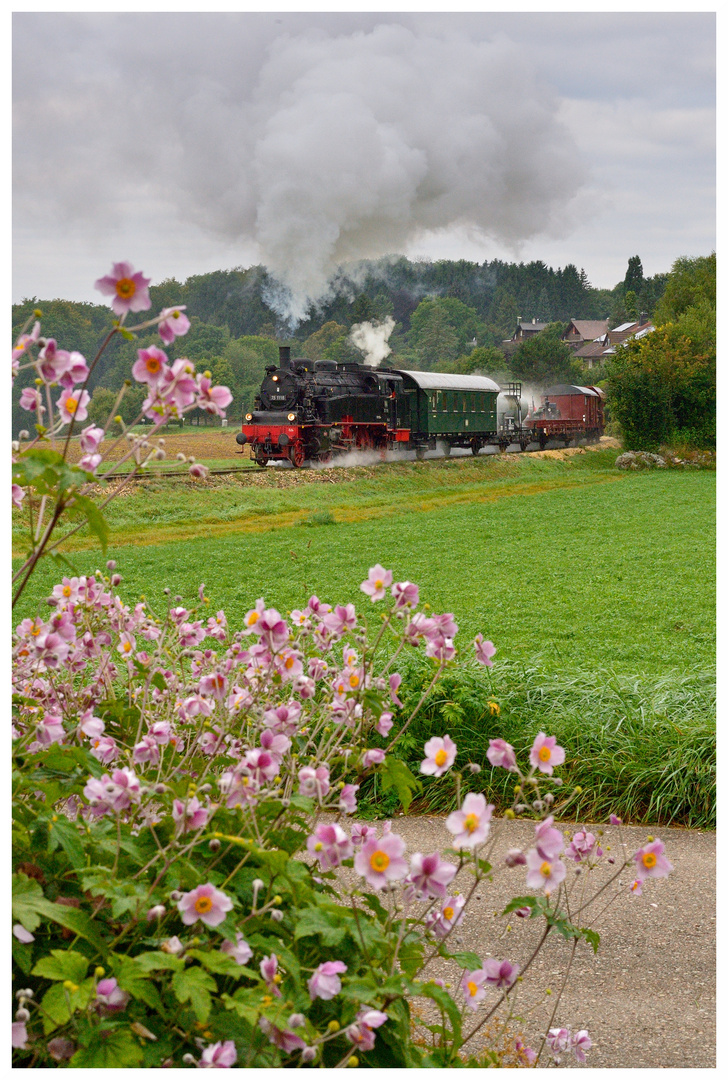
(371, 339)
(313, 146)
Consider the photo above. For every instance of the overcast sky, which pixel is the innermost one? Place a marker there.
(186, 143)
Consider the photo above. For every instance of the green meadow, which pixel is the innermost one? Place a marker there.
(583, 576)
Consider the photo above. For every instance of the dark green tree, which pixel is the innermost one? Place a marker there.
(544, 358)
(634, 279)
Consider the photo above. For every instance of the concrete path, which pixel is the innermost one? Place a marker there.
(648, 997)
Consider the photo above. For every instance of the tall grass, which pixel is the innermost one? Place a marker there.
(640, 747)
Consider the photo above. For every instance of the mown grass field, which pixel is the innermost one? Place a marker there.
(583, 576)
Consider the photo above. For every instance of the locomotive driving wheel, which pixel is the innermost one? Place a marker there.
(298, 455)
(475, 446)
(523, 443)
(261, 458)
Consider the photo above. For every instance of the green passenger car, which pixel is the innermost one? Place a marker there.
(456, 410)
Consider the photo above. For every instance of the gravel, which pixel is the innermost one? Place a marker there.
(648, 997)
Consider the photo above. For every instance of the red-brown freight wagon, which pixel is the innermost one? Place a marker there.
(568, 412)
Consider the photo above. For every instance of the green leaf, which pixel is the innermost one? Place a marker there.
(110, 1048)
(133, 979)
(441, 997)
(22, 955)
(194, 985)
(592, 937)
(410, 954)
(59, 1004)
(26, 892)
(159, 961)
(62, 964)
(324, 921)
(221, 964)
(65, 833)
(535, 903)
(396, 774)
(82, 505)
(72, 919)
(469, 961)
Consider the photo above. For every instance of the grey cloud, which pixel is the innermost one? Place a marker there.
(308, 139)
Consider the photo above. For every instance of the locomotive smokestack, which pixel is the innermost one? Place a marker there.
(284, 356)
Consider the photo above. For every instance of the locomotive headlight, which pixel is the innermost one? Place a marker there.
(291, 416)
(275, 378)
(248, 416)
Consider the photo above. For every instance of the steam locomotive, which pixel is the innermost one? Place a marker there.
(313, 411)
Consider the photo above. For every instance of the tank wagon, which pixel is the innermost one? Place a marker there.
(568, 412)
(313, 411)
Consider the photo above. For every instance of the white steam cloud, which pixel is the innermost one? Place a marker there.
(371, 339)
(312, 147)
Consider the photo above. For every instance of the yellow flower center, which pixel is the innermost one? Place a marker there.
(203, 904)
(448, 913)
(71, 405)
(127, 646)
(440, 757)
(353, 681)
(152, 364)
(253, 618)
(649, 859)
(379, 861)
(125, 288)
(67, 590)
(35, 630)
(544, 753)
(545, 869)
(471, 822)
(472, 988)
(378, 584)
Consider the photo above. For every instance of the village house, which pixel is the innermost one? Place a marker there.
(595, 352)
(581, 331)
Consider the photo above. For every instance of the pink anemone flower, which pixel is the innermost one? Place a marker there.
(377, 583)
(173, 323)
(129, 289)
(381, 861)
(471, 824)
(439, 756)
(205, 903)
(545, 754)
(651, 863)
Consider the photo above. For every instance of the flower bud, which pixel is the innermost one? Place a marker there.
(333, 1025)
(156, 912)
(99, 972)
(188, 1059)
(474, 767)
(296, 1020)
(353, 1062)
(175, 895)
(308, 1054)
(276, 914)
(214, 845)
(22, 1014)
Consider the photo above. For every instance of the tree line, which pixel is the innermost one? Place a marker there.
(450, 315)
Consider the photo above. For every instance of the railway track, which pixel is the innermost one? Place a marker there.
(182, 474)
